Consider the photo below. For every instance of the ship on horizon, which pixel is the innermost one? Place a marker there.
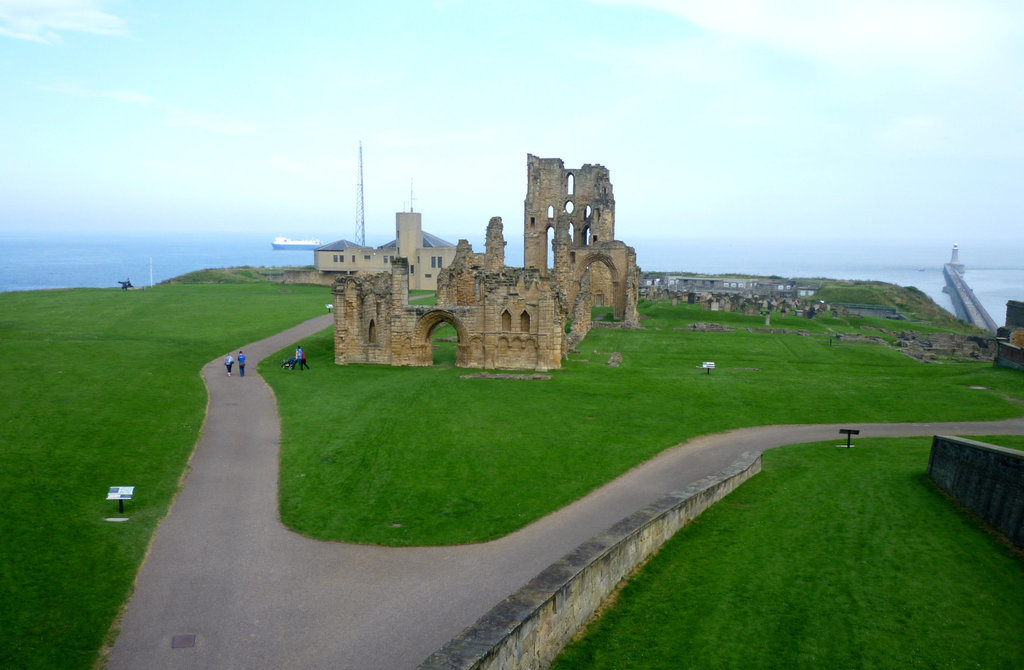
(286, 243)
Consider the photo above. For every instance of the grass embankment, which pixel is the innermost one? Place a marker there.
(907, 299)
(407, 456)
(830, 558)
(245, 274)
(101, 388)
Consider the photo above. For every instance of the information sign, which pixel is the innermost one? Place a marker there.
(120, 494)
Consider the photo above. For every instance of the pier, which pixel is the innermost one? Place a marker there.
(965, 303)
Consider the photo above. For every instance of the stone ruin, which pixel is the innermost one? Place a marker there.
(504, 317)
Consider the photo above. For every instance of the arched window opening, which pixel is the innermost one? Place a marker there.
(524, 321)
(570, 184)
(549, 248)
(371, 334)
(506, 321)
(569, 206)
(533, 222)
(551, 211)
(587, 211)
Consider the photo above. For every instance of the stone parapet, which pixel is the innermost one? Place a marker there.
(1009, 355)
(530, 627)
(307, 277)
(985, 478)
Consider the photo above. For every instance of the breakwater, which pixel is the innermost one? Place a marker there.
(965, 303)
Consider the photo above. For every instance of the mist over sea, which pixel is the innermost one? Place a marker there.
(994, 271)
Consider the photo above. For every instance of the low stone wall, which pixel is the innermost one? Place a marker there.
(531, 626)
(1009, 356)
(309, 277)
(987, 479)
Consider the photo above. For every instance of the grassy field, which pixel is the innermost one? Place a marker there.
(830, 558)
(423, 456)
(102, 388)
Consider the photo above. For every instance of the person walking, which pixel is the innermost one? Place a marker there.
(300, 356)
(241, 363)
(228, 362)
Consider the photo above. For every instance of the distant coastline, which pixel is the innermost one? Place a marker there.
(994, 271)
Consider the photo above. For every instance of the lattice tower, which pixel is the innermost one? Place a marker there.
(360, 213)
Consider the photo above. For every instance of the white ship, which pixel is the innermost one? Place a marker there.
(296, 245)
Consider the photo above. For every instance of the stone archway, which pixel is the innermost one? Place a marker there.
(607, 281)
(421, 346)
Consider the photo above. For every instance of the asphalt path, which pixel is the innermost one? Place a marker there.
(226, 585)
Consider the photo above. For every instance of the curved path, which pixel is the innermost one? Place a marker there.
(254, 595)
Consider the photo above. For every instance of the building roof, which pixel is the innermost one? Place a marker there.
(429, 242)
(340, 245)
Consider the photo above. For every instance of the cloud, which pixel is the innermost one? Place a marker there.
(130, 97)
(920, 33)
(43, 20)
(917, 133)
(172, 115)
(214, 123)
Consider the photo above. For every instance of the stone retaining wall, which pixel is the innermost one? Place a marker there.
(987, 479)
(1009, 356)
(309, 277)
(530, 627)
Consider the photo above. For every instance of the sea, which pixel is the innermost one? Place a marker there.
(32, 261)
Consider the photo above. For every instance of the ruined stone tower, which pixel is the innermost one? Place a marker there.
(571, 214)
(504, 317)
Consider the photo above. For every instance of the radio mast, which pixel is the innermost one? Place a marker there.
(360, 215)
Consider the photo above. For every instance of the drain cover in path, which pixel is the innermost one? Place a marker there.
(183, 641)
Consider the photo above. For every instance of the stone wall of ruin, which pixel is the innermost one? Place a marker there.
(512, 318)
(507, 318)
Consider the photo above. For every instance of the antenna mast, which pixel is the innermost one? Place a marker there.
(360, 214)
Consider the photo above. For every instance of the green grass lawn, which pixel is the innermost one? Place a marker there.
(457, 460)
(101, 387)
(830, 558)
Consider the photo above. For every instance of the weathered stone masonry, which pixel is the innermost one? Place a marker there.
(504, 317)
(985, 478)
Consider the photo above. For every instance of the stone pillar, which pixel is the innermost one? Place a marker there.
(494, 254)
(399, 284)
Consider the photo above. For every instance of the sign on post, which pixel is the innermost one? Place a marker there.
(120, 494)
(709, 366)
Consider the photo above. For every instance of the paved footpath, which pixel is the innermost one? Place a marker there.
(255, 595)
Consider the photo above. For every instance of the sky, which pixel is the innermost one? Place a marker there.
(775, 119)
